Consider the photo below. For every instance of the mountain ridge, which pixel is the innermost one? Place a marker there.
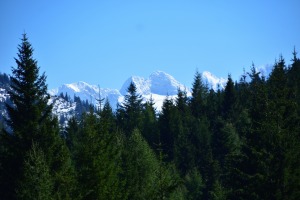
(157, 86)
(71, 99)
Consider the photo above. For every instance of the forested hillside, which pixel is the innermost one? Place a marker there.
(242, 142)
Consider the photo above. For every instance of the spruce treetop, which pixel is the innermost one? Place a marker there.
(29, 90)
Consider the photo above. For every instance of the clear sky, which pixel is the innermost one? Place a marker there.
(105, 42)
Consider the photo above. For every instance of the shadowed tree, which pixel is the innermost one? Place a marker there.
(129, 113)
(30, 121)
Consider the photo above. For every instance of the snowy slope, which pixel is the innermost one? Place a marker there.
(159, 83)
(87, 92)
(157, 86)
(212, 81)
(4, 97)
(63, 109)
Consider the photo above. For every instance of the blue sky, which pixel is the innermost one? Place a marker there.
(105, 42)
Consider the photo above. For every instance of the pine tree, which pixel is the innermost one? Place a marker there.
(166, 127)
(292, 143)
(29, 96)
(140, 166)
(129, 113)
(30, 121)
(253, 168)
(225, 141)
(199, 97)
(107, 118)
(37, 182)
(150, 129)
(168, 180)
(229, 99)
(194, 184)
(184, 156)
(97, 160)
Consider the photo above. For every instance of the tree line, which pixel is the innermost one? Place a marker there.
(238, 143)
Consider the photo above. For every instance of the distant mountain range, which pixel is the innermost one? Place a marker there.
(157, 86)
(66, 103)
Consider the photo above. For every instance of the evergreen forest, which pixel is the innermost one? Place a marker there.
(242, 142)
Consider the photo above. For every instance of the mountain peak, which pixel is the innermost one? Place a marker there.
(213, 81)
(164, 84)
(159, 82)
(141, 84)
(158, 85)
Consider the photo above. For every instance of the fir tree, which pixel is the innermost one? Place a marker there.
(150, 129)
(129, 113)
(107, 118)
(229, 100)
(140, 166)
(199, 96)
(30, 121)
(166, 127)
(97, 160)
(37, 182)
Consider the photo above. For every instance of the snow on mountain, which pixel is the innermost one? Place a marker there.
(157, 86)
(4, 97)
(213, 81)
(63, 109)
(165, 84)
(88, 92)
(142, 85)
(159, 83)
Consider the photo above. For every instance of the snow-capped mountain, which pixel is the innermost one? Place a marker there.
(159, 83)
(157, 86)
(4, 97)
(212, 81)
(63, 109)
(87, 92)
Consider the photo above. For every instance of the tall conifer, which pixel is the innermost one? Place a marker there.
(30, 121)
(129, 113)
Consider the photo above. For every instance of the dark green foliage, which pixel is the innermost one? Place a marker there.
(4, 81)
(97, 159)
(81, 106)
(168, 180)
(199, 97)
(166, 126)
(29, 96)
(129, 113)
(140, 166)
(183, 145)
(238, 143)
(37, 182)
(150, 129)
(107, 119)
(194, 185)
(229, 99)
(30, 122)
(225, 141)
